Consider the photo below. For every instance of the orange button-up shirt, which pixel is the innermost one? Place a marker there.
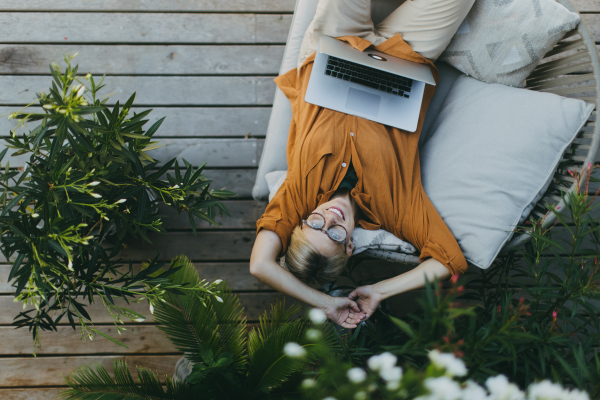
(389, 192)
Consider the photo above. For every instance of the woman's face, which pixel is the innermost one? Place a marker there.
(337, 211)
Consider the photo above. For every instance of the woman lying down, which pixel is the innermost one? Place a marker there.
(346, 171)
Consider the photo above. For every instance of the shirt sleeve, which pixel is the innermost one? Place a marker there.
(281, 215)
(424, 228)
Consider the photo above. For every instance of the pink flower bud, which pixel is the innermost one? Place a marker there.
(521, 300)
(554, 315)
(454, 278)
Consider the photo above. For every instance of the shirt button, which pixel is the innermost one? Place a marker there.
(343, 164)
(351, 133)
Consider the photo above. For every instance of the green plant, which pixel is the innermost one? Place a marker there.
(532, 315)
(89, 184)
(229, 361)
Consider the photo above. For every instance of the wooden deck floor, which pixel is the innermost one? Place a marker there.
(208, 66)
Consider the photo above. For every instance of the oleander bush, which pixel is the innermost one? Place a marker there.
(88, 187)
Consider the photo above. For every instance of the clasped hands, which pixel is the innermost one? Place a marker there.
(349, 311)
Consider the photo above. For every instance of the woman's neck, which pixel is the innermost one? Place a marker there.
(345, 193)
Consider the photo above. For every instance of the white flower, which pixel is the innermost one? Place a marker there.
(393, 374)
(175, 187)
(392, 385)
(317, 316)
(474, 392)
(120, 201)
(442, 388)
(575, 394)
(447, 361)
(48, 106)
(294, 350)
(80, 92)
(546, 390)
(329, 398)
(139, 319)
(35, 215)
(356, 375)
(308, 383)
(84, 102)
(383, 361)
(151, 309)
(501, 389)
(217, 281)
(105, 217)
(96, 195)
(220, 300)
(88, 76)
(313, 334)
(94, 183)
(360, 395)
(70, 266)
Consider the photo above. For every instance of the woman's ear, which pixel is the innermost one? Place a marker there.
(350, 247)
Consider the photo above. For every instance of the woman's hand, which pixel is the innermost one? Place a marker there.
(368, 299)
(344, 312)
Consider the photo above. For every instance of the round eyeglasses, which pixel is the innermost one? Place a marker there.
(337, 233)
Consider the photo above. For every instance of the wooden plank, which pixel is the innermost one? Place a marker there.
(215, 152)
(240, 181)
(156, 90)
(139, 339)
(586, 5)
(244, 214)
(236, 274)
(185, 5)
(144, 28)
(148, 60)
(181, 122)
(592, 21)
(206, 246)
(254, 305)
(149, 5)
(49, 371)
(31, 394)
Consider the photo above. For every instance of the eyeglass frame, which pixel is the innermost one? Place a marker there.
(326, 231)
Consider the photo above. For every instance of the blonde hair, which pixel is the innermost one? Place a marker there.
(310, 266)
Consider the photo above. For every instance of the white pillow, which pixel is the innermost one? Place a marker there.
(502, 41)
(492, 152)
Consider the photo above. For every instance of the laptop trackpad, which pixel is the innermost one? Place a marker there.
(365, 102)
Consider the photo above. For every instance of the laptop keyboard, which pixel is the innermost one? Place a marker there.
(371, 77)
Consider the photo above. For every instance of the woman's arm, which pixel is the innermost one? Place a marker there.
(413, 279)
(370, 296)
(263, 266)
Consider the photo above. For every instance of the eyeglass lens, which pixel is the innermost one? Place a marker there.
(336, 233)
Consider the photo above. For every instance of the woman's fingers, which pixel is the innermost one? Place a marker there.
(353, 294)
(354, 306)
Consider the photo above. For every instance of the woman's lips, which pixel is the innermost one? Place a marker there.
(341, 213)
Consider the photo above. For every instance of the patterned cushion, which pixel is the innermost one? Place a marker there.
(501, 41)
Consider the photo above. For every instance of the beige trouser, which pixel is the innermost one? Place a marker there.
(426, 25)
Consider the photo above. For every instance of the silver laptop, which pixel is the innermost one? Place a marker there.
(368, 84)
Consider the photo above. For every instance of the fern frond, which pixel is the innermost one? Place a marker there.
(232, 327)
(267, 326)
(188, 319)
(269, 367)
(87, 384)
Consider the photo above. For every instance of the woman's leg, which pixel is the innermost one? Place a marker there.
(338, 18)
(426, 25)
